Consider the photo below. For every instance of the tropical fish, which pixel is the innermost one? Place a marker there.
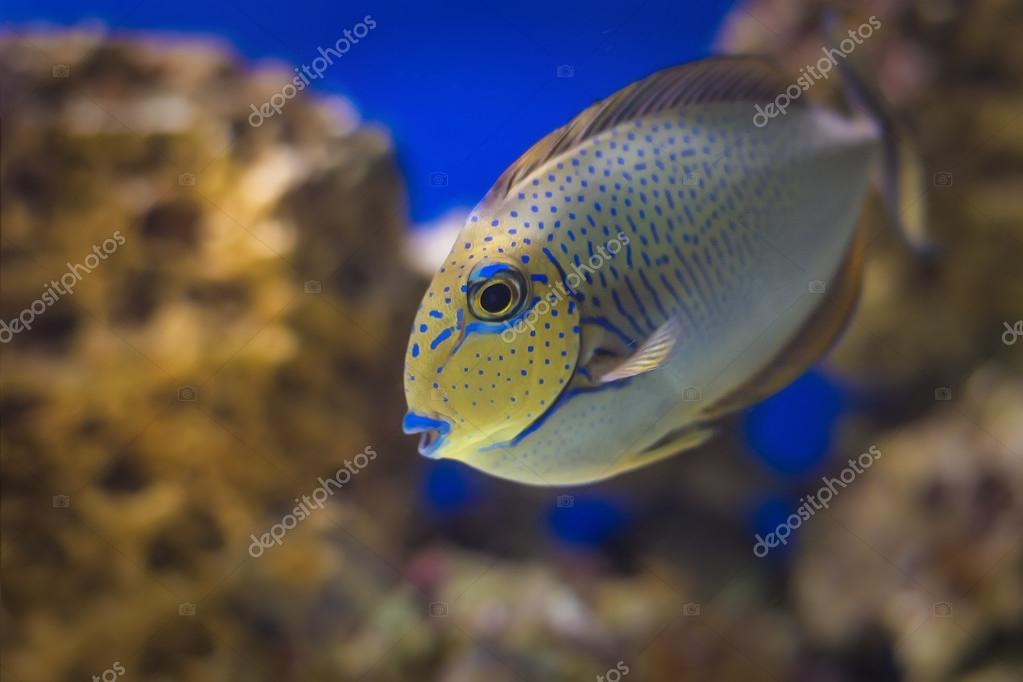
(660, 261)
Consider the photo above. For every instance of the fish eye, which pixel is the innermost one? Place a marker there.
(499, 296)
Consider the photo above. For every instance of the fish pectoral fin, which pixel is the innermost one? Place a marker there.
(686, 439)
(649, 356)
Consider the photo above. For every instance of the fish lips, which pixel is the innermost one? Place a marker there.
(434, 432)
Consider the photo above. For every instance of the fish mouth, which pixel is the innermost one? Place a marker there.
(433, 432)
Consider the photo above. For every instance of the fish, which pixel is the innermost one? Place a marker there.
(656, 264)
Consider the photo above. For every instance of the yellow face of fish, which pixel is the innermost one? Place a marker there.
(494, 343)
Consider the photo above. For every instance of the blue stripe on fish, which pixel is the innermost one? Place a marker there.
(440, 338)
(671, 289)
(608, 325)
(706, 279)
(625, 314)
(639, 304)
(561, 272)
(657, 299)
(557, 405)
(488, 271)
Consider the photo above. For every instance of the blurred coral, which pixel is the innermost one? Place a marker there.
(203, 374)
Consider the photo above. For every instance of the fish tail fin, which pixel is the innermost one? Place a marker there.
(902, 184)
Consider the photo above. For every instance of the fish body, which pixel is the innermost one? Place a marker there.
(668, 263)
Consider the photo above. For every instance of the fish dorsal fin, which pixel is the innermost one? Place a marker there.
(651, 355)
(715, 79)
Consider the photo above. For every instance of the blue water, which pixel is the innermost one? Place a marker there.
(464, 87)
(792, 431)
(449, 489)
(586, 521)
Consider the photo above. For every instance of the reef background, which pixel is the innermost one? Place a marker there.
(248, 336)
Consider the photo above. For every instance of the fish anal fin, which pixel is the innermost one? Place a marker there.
(814, 339)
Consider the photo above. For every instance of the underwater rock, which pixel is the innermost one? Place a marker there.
(230, 292)
(926, 543)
